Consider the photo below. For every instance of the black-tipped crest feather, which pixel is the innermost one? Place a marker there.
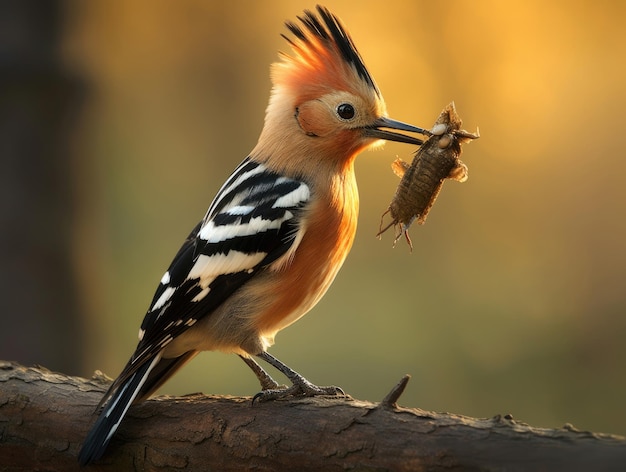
(334, 32)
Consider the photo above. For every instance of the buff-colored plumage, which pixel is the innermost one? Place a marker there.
(277, 232)
(304, 138)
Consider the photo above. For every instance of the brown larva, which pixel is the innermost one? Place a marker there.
(436, 160)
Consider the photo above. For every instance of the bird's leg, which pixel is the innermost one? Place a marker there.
(301, 386)
(266, 380)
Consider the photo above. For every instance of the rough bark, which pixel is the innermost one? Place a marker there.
(44, 417)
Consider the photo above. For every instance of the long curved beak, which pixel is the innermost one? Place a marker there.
(375, 131)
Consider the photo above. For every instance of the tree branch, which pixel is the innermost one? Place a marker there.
(44, 416)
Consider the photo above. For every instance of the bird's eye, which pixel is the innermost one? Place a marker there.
(345, 111)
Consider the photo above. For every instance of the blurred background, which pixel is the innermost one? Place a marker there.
(120, 121)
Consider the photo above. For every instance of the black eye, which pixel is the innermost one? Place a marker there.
(345, 111)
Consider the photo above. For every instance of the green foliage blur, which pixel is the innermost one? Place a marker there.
(513, 299)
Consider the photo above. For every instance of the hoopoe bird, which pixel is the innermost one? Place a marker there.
(277, 232)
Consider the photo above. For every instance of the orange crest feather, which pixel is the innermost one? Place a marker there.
(324, 59)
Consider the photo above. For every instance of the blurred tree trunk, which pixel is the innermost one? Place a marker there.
(39, 100)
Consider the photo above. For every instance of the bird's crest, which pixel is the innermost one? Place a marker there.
(324, 59)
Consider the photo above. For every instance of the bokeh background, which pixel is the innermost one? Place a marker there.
(513, 299)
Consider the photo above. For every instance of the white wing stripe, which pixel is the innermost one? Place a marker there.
(240, 210)
(300, 195)
(229, 185)
(216, 234)
(207, 268)
(165, 296)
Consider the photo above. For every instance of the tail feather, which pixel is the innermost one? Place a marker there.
(111, 416)
(162, 372)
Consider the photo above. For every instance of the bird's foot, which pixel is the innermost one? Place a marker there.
(271, 385)
(301, 388)
(265, 379)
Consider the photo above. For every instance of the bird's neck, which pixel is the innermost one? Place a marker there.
(290, 152)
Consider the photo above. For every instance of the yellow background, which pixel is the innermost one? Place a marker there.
(513, 300)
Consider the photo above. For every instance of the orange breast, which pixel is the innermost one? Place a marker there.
(330, 229)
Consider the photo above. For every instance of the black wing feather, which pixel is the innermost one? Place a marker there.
(261, 190)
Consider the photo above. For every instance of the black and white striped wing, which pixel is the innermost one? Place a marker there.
(253, 221)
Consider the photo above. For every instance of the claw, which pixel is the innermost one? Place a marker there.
(303, 389)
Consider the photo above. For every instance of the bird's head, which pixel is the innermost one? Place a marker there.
(324, 98)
